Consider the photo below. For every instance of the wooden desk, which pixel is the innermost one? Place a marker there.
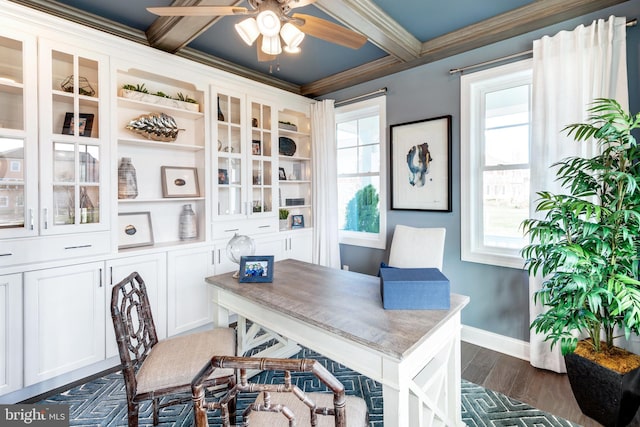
(414, 354)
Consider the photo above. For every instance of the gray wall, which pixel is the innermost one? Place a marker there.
(499, 296)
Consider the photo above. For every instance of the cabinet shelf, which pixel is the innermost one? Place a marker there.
(9, 87)
(294, 158)
(285, 132)
(159, 144)
(172, 111)
(294, 181)
(290, 207)
(160, 200)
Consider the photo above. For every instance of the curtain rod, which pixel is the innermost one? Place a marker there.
(630, 23)
(381, 91)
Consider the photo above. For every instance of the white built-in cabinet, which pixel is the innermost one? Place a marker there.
(153, 270)
(64, 320)
(10, 332)
(188, 296)
(63, 224)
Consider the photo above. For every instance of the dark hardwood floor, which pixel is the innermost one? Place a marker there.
(516, 378)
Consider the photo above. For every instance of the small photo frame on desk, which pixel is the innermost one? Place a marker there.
(85, 124)
(297, 221)
(134, 229)
(256, 269)
(179, 181)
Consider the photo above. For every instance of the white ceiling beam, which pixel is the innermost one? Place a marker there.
(365, 17)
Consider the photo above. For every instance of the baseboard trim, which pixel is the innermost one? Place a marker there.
(492, 341)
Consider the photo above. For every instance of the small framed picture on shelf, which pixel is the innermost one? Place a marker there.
(256, 147)
(178, 181)
(256, 269)
(223, 176)
(85, 124)
(134, 229)
(282, 176)
(297, 221)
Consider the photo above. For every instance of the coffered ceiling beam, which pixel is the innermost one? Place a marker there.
(365, 17)
(172, 33)
(536, 15)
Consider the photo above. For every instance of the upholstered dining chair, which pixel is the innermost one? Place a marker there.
(413, 247)
(279, 404)
(153, 369)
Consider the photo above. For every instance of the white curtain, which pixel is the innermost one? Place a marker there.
(570, 70)
(326, 250)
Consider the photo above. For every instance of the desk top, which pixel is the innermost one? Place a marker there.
(343, 302)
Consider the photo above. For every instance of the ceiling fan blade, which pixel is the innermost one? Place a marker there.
(325, 30)
(299, 3)
(197, 10)
(263, 57)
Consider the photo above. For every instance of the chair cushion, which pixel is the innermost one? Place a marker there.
(357, 414)
(176, 360)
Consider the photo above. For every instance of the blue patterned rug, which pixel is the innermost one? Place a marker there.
(102, 402)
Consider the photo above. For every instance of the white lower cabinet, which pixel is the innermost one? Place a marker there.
(153, 270)
(64, 320)
(299, 245)
(10, 333)
(188, 295)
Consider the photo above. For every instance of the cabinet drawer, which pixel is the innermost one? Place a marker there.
(226, 230)
(51, 248)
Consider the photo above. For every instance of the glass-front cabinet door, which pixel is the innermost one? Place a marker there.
(229, 153)
(18, 135)
(74, 142)
(262, 190)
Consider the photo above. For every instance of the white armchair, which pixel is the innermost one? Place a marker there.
(413, 247)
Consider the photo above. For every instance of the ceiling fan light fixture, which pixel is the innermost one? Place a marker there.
(293, 50)
(248, 30)
(268, 23)
(292, 36)
(271, 45)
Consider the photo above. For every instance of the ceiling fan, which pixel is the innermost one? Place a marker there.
(269, 22)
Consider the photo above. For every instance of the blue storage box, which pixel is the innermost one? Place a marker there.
(414, 289)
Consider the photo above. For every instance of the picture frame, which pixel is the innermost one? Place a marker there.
(179, 181)
(282, 175)
(223, 176)
(297, 221)
(85, 124)
(134, 230)
(256, 269)
(256, 147)
(421, 165)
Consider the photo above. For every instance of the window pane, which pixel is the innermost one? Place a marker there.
(347, 134)
(89, 163)
(369, 158)
(359, 204)
(63, 162)
(369, 130)
(347, 161)
(505, 206)
(507, 107)
(507, 145)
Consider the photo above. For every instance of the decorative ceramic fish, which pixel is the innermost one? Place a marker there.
(156, 126)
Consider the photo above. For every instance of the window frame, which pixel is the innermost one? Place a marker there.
(472, 88)
(358, 110)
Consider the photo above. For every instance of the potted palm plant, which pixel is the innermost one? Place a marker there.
(586, 246)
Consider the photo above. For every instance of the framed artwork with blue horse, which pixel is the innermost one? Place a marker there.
(421, 165)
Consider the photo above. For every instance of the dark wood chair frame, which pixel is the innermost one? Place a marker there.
(226, 404)
(135, 343)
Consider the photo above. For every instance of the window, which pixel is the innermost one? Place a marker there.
(360, 133)
(495, 137)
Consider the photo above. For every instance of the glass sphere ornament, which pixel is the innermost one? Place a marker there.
(240, 245)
